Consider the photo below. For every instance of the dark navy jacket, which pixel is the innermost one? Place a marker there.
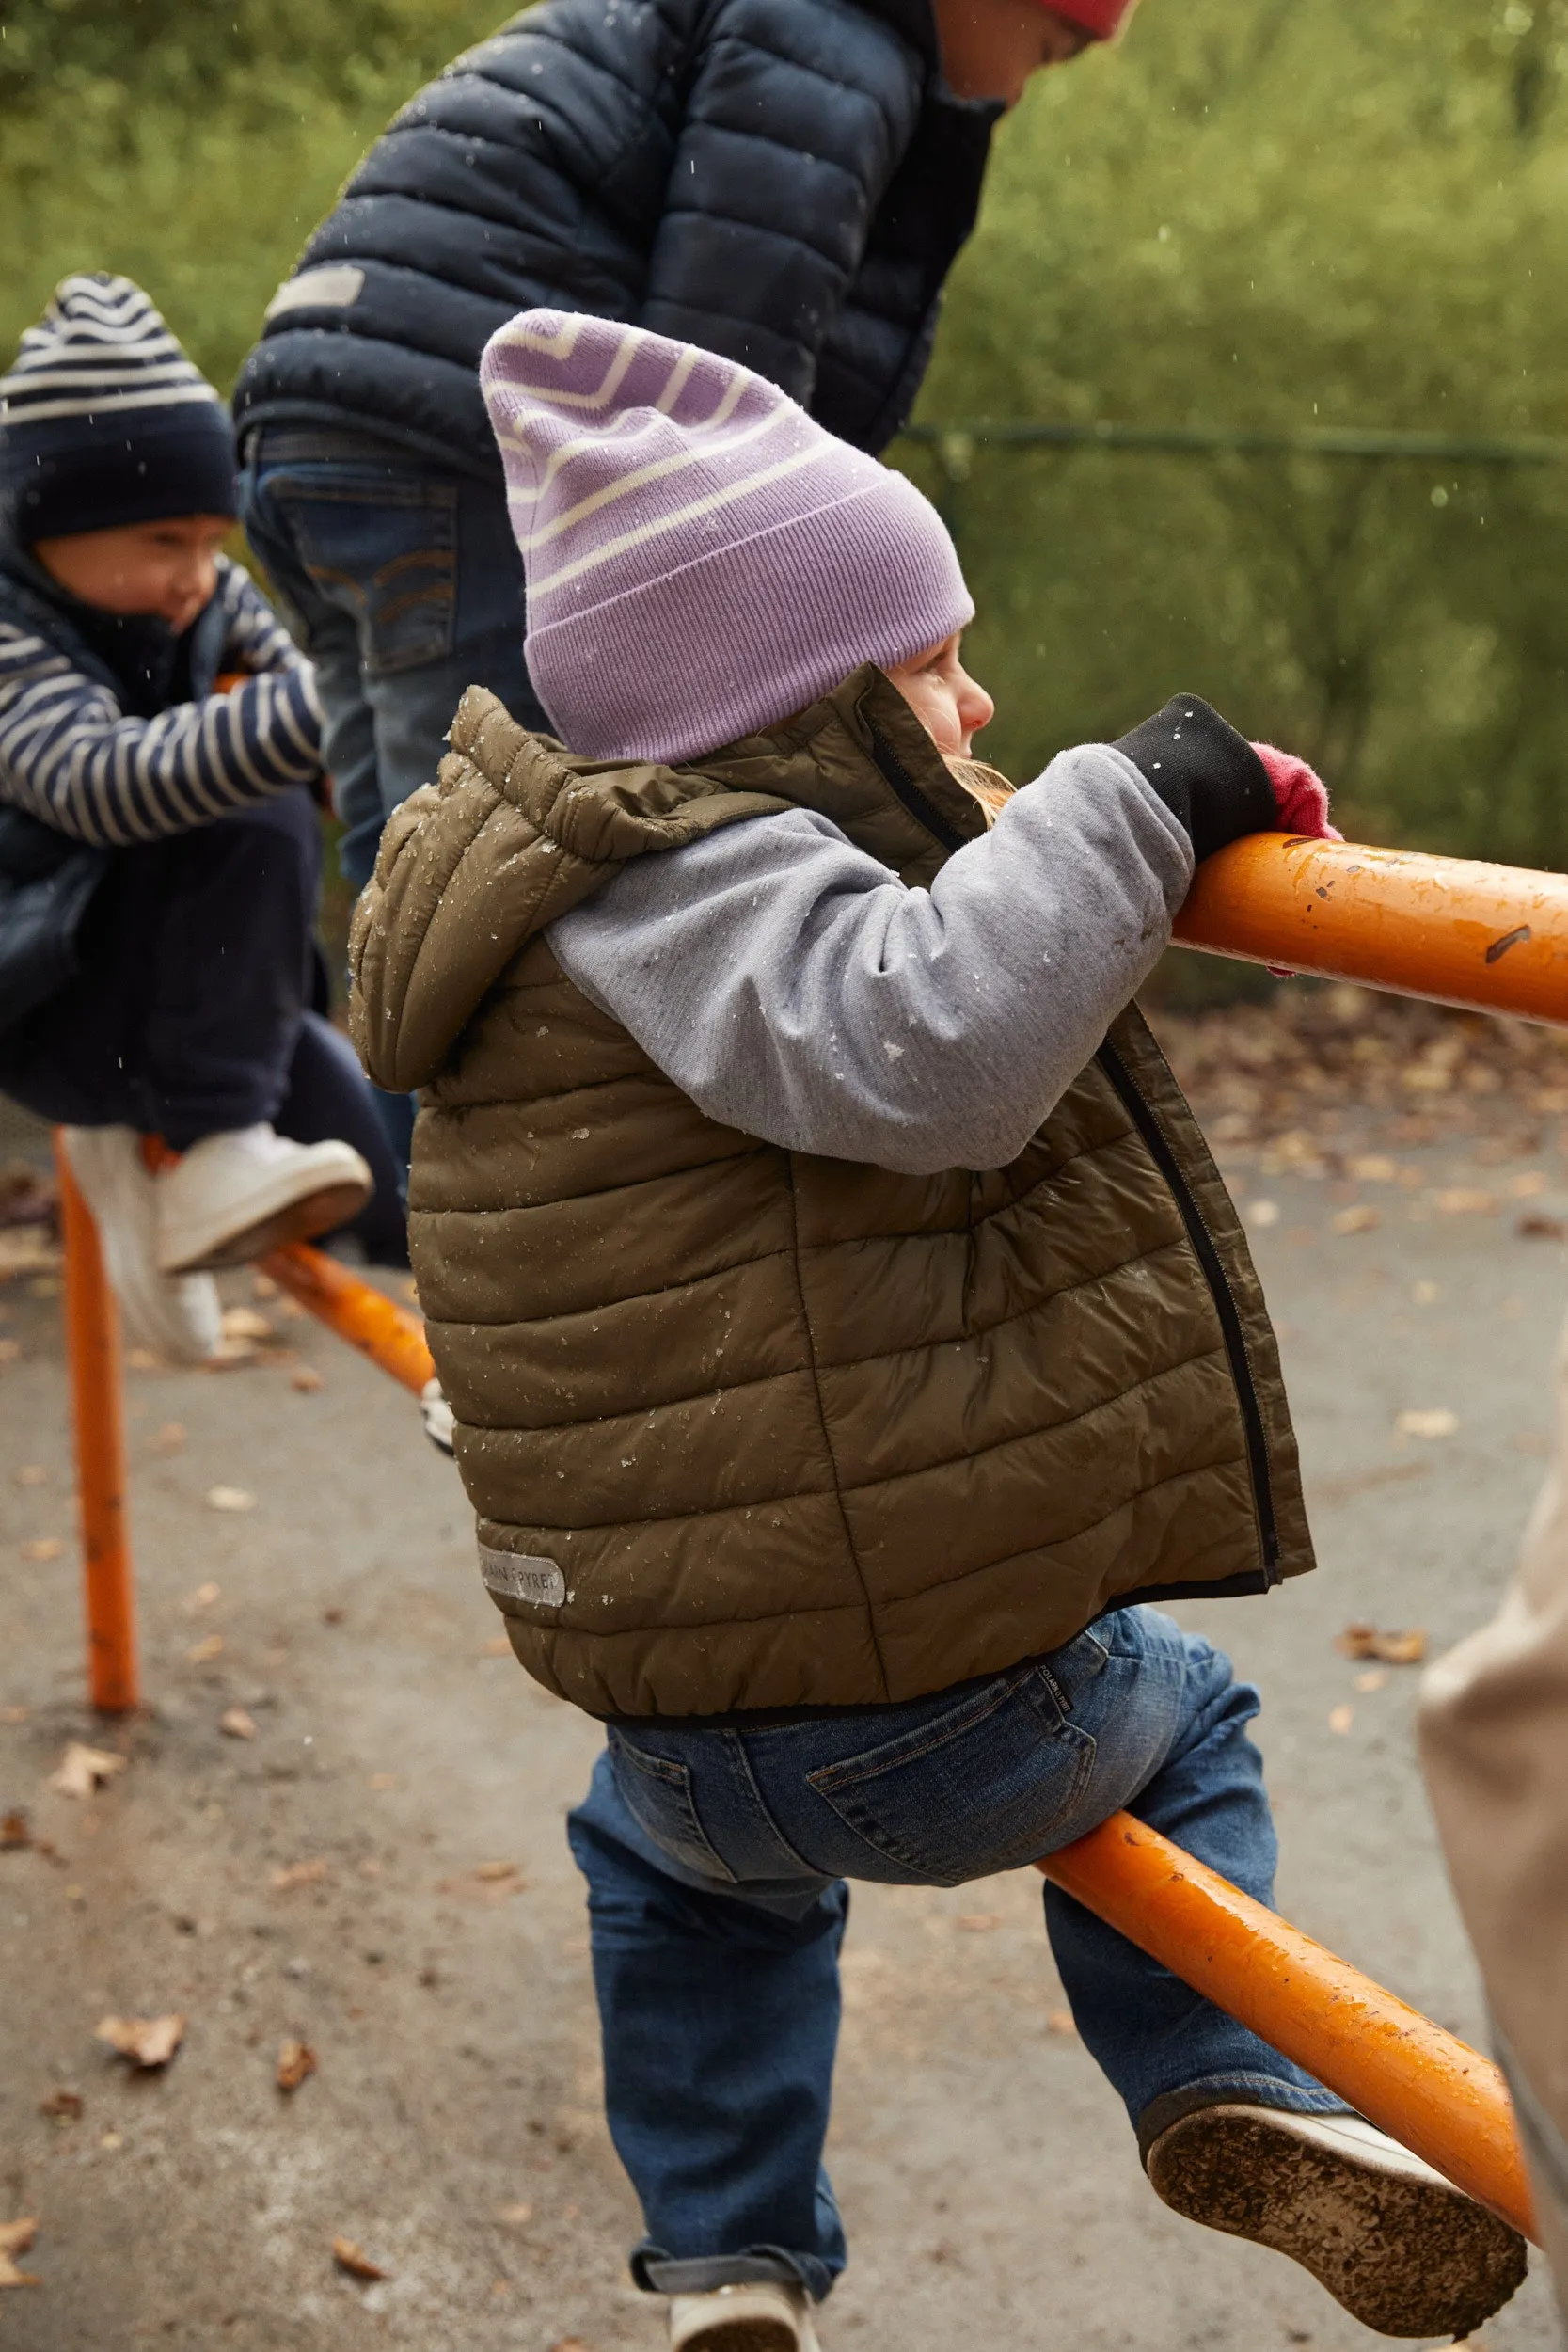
(784, 181)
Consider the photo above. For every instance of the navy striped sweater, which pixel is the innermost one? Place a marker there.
(71, 757)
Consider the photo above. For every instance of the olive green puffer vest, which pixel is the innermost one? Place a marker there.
(746, 1428)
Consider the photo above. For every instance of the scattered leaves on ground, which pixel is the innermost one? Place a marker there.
(496, 1870)
(497, 1646)
(980, 1922)
(1059, 2021)
(15, 2239)
(1465, 1201)
(1377, 1679)
(516, 2215)
(1426, 1421)
(243, 1322)
(202, 1653)
(354, 2259)
(63, 2105)
(237, 1723)
(83, 1770)
(147, 2042)
(231, 1499)
(1358, 1218)
(1406, 1648)
(202, 1598)
(299, 1874)
(263, 1286)
(295, 2060)
(30, 1474)
(44, 1548)
(1538, 1228)
(1261, 1213)
(143, 1359)
(1340, 1719)
(306, 1379)
(14, 1830)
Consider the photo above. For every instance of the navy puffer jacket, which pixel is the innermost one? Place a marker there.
(785, 181)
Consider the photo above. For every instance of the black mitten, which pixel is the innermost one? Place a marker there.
(1208, 777)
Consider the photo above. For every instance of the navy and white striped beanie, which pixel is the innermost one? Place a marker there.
(104, 421)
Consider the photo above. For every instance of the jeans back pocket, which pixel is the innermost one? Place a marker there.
(657, 1791)
(384, 549)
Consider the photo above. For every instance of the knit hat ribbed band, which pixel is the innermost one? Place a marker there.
(103, 420)
(701, 560)
(1102, 20)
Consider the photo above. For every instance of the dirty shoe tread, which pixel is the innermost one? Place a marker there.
(753, 2318)
(1399, 2248)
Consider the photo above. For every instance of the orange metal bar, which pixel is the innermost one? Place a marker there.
(1493, 938)
(92, 1333)
(1423, 2087)
(355, 1309)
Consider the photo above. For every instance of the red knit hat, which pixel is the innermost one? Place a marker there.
(1101, 19)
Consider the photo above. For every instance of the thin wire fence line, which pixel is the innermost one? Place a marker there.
(956, 446)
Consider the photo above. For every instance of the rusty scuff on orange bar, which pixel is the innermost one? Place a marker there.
(92, 1340)
(355, 1309)
(1423, 2086)
(1490, 938)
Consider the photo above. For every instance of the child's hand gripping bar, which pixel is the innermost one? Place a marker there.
(1490, 938)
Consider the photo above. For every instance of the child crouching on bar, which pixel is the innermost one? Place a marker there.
(848, 1334)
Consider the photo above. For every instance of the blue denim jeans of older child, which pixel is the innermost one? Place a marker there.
(716, 1859)
(405, 585)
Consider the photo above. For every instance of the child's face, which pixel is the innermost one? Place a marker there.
(989, 48)
(164, 568)
(949, 703)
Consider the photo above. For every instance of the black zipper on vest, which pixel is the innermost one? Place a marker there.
(1153, 1134)
(923, 811)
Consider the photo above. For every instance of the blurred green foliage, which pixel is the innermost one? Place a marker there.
(1276, 213)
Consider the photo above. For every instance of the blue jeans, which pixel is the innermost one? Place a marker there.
(405, 585)
(716, 1861)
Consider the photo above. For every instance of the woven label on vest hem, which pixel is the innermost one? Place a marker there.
(521, 1576)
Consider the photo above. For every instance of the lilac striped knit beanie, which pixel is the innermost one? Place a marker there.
(701, 560)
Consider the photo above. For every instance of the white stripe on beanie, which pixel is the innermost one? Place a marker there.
(100, 347)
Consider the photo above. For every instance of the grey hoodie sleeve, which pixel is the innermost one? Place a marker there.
(796, 989)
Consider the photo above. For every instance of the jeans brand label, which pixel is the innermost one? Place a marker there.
(521, 1576)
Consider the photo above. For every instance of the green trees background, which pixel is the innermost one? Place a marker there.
(1274, 213)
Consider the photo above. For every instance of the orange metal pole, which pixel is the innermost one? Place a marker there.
(1492, 938)
(355, 1309)
(1426, 2089)
(92, 1332)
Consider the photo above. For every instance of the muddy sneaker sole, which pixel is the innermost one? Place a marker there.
(1402, 2249)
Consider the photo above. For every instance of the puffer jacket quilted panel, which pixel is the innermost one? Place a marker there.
(784, 181)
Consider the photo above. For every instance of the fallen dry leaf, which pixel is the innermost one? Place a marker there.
(515, 2214)
(980, 1922)
(202, 1653)
(9, 1351)
(1059, 2021)
(1538, 1228)
(14, 1830)
(1374, 1167)
(237, 1723)
(1465, 1201)
(202, 1598)
(571, 2343)
(298, 1874)
(44, 1548)
(263, 1286)
(306, 1378)
(1357, 1219)
(497, 1646)
(1425, 1294)
(229, 1498)
(1376, 1680)
(1406, 1648)
(1261, 1213)
(147, 2042)
(231, 1356)
(14, 1714)
(295, 2060)
(63, 2105)
(1526, 1186)
(143, 1359)
(1341, 1718)
(496, 1870)
(1436, 1421)
(82, 1769)
(168, 1438)
(31, 1474)
(15, 2239)
(382, 1780)
(243, 1322)
(355, 2260)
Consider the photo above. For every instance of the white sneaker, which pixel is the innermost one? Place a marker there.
(1399, 2246)
(176, 1314)
(438, 1419)
(764, 2318)
(234, 1196)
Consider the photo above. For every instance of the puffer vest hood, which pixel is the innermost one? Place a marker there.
(747, 1428)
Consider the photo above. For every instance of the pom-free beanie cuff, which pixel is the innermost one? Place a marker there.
(103, 420)
(766, 625)
(701, 560)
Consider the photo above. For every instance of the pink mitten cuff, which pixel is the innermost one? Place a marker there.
(1300, 794)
